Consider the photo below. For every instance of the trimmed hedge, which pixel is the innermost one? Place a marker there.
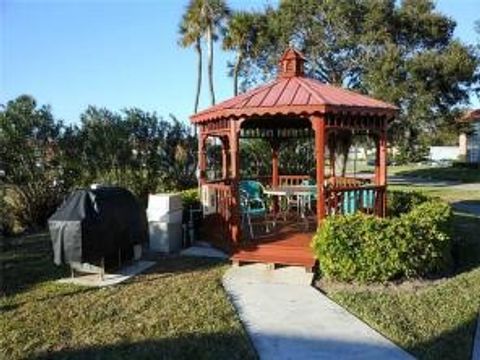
(414, 242)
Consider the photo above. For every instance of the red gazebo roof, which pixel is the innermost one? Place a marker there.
(294, 94)
(469, 116)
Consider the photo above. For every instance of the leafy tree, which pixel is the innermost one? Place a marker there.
(403, 53)
(43, 159)
(213, 14)
(134, 149)
(241, 36)
(190, 31)
(32, 185)
(203, 18)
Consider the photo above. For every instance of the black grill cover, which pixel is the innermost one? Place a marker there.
(99, 223)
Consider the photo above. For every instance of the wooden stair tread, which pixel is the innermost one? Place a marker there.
(299, 256)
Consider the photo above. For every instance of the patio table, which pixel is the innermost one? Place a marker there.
(303, 193)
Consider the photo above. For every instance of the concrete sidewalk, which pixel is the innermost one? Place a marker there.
(295, 321)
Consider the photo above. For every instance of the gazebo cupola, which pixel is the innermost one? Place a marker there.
(291, 64)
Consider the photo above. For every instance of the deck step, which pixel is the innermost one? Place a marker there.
(298, 257)
(262, 273)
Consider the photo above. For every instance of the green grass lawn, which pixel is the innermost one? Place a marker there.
(464, 175)
(431, 319)
(452, 195)
(177, 310)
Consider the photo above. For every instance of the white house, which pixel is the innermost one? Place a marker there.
(470, 141)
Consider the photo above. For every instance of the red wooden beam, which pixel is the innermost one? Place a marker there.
(318, 125)
(235, 178)
(202, 157)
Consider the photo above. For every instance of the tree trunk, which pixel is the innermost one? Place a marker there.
(210, 63)
(198, 48)
(236, 70)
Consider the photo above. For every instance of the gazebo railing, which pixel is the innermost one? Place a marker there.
(217, 200)
(295, 180)
(347, 181)
(283, 180)
(292, 180)
(347, 200)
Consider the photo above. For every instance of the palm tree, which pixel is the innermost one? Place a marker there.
(191, 31)
(212, 13)
(240, 35)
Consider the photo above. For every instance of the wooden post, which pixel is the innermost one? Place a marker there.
(383, 165)
(383, 158)
(202, 158)
(235, 178)
(377, 159)
(331, 151)
(318, 125)
(275, 145)
(225, 149)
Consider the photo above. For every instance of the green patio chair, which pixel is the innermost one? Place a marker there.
(368, 199)
(252, 204)
(349, 203)
(312, 197)
(352, 200)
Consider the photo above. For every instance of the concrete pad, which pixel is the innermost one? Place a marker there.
(261, 273)
(476, 342)
(295, 321)
(203, 250)
(121, 275)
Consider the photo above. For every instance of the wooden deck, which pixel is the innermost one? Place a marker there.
(286, 246)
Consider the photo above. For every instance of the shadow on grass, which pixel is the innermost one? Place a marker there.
(453, 344)
(456, 343)
(190, 346)
(26, 261)
(466, 245)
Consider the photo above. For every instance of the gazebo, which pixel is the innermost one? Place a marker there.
(292, 105)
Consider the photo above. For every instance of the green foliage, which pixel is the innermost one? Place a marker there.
(190, 198)
(401, 202)
(401, 52)
(134, 149)
(32, 185)
(296, 157)
(240, 35)
(7, 220)
(43, 159)
(203, 19)
(365, 248)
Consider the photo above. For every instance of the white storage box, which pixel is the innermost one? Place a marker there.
(174, 217)
(165, 237)
(165, 208)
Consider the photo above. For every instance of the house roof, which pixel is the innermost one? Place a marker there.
(291, 93)
(471, 116)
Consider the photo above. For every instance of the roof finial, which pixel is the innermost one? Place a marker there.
(291, 62)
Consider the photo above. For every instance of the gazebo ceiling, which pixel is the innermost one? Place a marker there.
(294, 94)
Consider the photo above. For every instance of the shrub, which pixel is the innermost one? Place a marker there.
(401, 202)
(365, 248)
(190, 198)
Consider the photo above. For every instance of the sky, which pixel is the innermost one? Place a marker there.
(119, 54)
